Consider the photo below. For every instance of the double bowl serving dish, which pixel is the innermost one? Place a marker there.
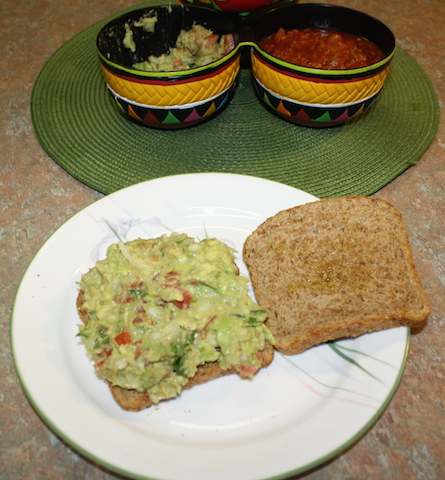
(176, 99)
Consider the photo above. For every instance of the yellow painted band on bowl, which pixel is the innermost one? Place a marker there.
(319, 92)
(164, 94)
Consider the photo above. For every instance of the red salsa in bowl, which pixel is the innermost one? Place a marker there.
(322, 48)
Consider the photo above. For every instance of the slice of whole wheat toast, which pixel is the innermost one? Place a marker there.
(334, 268)
(134, 401)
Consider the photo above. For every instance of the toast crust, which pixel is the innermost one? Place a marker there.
(134, 401)
(333, 269)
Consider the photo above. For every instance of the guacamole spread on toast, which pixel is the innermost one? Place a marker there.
(159, 308)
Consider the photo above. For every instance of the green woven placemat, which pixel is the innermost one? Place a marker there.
(80, 128)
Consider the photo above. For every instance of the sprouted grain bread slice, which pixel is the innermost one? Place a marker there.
(334, 268)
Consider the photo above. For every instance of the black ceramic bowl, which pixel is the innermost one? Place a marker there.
(319, 97)
(167, 99)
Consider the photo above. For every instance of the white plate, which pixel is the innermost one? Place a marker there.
(297, 413)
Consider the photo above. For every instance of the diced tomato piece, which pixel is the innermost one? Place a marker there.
(229, 43)
(136, 285)
(123, 298)
(187, 298)
(123, 338)
(106, 352)
(139, 351)
(173, 277)
(247, 370)
(210, 40)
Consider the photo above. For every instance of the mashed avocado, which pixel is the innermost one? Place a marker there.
(196, 47)
(161, 307)
(147, 24)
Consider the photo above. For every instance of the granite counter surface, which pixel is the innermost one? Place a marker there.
(37, 196)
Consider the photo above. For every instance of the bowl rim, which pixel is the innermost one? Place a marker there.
(292, 67)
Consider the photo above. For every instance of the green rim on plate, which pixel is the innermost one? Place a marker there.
(81, 130)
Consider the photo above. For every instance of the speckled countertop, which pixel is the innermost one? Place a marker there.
(37, 196)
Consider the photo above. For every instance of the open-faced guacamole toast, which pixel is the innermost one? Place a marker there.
(165, 314)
